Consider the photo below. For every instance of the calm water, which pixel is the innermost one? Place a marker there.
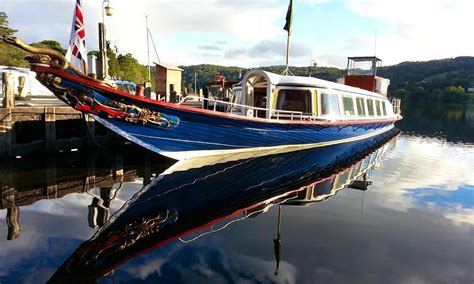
(399, 210)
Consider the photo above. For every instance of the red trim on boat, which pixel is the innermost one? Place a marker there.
(90, 83)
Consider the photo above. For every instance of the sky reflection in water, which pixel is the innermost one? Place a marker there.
(413, 225)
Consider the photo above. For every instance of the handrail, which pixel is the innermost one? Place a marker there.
(275, 112)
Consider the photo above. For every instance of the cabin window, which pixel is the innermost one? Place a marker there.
(377, 107)
(348, 104)
(294, 100)
(329, 104)
(370, 107)
(384, 108)
(360, 106)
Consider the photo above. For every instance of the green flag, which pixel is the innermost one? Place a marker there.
(289, 18)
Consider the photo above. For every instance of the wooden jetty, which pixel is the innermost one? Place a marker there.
(30, 129)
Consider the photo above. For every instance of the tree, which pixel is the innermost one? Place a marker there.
(51, 44)
(131, 69)
(114, 65)
(452, 90)
(4, 28)
(455, 94)
(9, 55)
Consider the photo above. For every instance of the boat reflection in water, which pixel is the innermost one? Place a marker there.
(185, 200)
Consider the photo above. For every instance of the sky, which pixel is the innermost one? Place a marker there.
(249, 33)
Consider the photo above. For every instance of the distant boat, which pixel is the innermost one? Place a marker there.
(269, 113)
(189, 201)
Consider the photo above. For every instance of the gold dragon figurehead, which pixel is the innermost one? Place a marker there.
(40, 56)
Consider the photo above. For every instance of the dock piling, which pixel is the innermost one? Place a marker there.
(90, 124)
(8, 91)
(50, 128)
(118, 171)
(51, 178)
(6, 132)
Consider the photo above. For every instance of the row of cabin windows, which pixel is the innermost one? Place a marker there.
(300, 100)
(330, 106)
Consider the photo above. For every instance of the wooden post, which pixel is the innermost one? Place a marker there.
(6, 133)
(147, 173)
(6, 185)
(51, 178)
(21, 87)
(118, 172)
(8, 91)
(89, 181)
(13, 223)
(90, 130)
(50, 128)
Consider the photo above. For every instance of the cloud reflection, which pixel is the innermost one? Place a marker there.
(206, 261)
(425, 171)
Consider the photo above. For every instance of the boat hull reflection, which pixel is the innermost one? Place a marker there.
(179, 203)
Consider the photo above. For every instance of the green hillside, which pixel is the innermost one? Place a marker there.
(441, 80)
(205, 73)
(431, 75)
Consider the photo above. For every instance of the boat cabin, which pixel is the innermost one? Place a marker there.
(360, 95)
(267, 95)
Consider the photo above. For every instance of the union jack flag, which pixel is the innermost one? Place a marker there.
(76, 52)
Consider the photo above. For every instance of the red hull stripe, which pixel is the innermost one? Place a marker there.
(90, 83)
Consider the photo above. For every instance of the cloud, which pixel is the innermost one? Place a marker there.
(271, 53)
(331, 60)
(419, 30)
(271, 48)
(315, 2)
(210, 47)
(181, 27)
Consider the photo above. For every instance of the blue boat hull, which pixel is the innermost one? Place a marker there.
(181, 132)
(197, 137)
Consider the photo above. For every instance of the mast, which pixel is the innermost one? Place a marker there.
(287, 52)
(148, 46)
(195, 83)
(288, 27)
(277, 243)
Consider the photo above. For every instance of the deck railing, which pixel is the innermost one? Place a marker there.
(230, 107)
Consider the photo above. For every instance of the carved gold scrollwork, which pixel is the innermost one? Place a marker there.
(132, 233)
(51, 81)
(143, 228)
